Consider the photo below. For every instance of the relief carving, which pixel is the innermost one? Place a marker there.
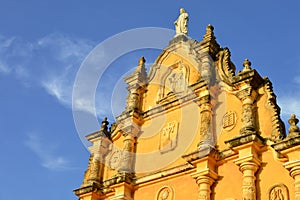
(94, 170)
(168, 137)
(206, 135)
(114, 160)
(174, 81)
(278, 192)
(133, 100)
(229, 120)
(205, 123)
(203, 197)
(247, 118)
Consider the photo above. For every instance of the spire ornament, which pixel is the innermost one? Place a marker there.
(294, 130)
(246, 65)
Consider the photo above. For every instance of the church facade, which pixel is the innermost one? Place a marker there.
(195, 128)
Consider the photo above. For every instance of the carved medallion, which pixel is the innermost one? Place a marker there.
(115, 159)
(168, 137)
(278, 192)
(165, 193)
(229, 120)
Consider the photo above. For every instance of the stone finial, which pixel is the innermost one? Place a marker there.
(142, 61)
(246, 65)
(209, 35)
(141, 67)
(209, 28)
(293, 129)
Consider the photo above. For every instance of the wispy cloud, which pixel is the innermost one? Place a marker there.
(47, 153)
(50, 62)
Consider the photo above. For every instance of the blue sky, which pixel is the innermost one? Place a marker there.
(43, 43)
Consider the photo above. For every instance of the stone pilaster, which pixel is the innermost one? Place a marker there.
(205, 132)
(206, 68)
(122, 191)
(248, 169)
(98, 151)
(290, 148)
(205, 175)
(204, 183)
(128, 153)
(136, 86)
(248, 147)
(93, 178)
(294, 169)
(247, 96)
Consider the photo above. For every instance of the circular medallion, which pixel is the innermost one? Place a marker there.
(114, 160)
(165, 193)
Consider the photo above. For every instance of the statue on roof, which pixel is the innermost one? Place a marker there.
(181, 24)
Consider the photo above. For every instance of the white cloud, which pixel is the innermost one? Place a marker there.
(4, 68)
(289, 101)
(46, 153)
(51, 62)
(59, 88)
(289, 105)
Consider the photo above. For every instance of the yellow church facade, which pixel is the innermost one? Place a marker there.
(194, 128)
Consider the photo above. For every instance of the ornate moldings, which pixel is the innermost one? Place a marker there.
(278, 128)
(278, 192)
(168, 137)
(165, 193)
(225, 66)
(229, 120)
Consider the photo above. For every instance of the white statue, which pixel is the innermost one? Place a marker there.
(181, 24)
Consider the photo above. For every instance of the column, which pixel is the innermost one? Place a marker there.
(204, 183)
(295, 173)
(205, 175)
(96, 165)
(248, 186)
(128, 153)
(206, 135)
(247, 116)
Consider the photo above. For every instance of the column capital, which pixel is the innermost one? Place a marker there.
(206, 176)
(247, 94)
(293, 167)
(250, 165)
